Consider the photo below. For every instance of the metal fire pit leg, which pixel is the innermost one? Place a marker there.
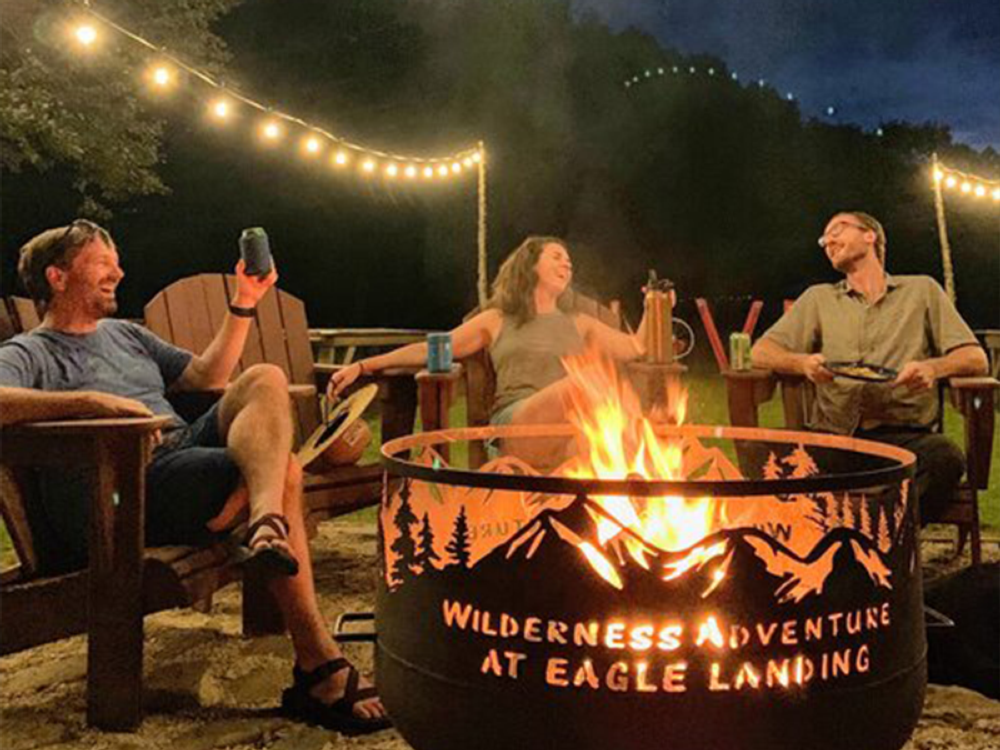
(344, 632)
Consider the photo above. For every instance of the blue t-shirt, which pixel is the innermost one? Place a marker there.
(120, 358)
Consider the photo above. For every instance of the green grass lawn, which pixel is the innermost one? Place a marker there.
(706, 405)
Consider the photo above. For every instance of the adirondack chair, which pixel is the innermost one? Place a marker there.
(973, 397)
(189, 312)
(124, 581)
(475, 373)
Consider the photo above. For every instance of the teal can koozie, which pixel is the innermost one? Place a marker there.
(439, 352)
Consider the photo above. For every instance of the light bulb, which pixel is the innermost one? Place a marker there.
(312, 145)
(85, 34)
(161, 76)
(271, 130)
(411, 172)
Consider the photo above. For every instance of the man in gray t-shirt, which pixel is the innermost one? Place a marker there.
(236, 458)
(905, 323)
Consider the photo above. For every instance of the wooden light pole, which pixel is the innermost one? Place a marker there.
(949, 271)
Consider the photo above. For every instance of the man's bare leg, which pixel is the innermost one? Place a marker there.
(297, 598)
(255, 422)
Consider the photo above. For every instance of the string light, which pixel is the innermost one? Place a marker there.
(85, 34)
(165, 74)
(967, 184)
(312, 146)
(161, 76)
(221, 109)
(271, 130)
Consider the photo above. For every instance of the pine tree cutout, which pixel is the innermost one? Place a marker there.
(404, 547)
(801, 462)
(838, 510)
(884, 536)
(458, 546)
(772, 469)
(866, 524)
(821, 511)
(850, 521)
(426, 556)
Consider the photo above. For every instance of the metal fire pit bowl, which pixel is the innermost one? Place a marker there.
(526, 609)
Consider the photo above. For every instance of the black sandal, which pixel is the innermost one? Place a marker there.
(297, 703)
(271, 553)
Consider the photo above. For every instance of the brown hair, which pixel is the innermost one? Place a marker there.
(54, 247)
(514, 287)
(871, 223)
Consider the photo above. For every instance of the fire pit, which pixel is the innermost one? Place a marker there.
(766, 595)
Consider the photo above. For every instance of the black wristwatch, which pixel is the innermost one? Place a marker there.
(242, 312)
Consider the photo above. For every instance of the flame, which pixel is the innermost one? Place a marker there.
(616, 441)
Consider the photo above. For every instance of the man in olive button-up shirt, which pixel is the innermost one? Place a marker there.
(905, 323)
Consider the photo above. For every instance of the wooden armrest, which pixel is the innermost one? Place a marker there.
(59, 427)
(426, 376)
(984, 383)
(974, 398)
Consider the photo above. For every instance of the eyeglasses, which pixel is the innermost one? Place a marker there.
(836, 230)
(66, 240)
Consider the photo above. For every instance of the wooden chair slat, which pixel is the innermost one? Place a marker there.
(300, 360)
(198, 291)
(26, 312)
(272, 333)
(157, 317)
(15, 517)
(8, 325)
(216, 299)
(181, 328)
(296, 327)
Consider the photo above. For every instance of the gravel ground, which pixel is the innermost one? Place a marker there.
(206, 687)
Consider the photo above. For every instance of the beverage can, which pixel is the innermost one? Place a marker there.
(439, 352)
(739, 351)
(256, 251)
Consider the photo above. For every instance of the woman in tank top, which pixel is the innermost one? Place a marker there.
(527, 326)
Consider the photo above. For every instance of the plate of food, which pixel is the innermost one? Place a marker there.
(861, 371)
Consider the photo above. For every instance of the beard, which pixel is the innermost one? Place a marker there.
(105, 307)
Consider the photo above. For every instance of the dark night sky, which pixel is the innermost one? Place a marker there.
(873, 60)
